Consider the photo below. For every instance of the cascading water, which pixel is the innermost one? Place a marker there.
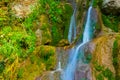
(68, 73)
(72, 28)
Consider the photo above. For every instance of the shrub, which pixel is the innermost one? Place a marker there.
(111, 22)
(48, 55)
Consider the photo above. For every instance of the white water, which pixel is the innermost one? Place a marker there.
(68, 73)
(59, 67)
(72, 28)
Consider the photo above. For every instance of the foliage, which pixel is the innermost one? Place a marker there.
(20, 73)
(16, 42)
(111, 22)
(2, 66)
(55, 35)
(59, 21)
(17, 39)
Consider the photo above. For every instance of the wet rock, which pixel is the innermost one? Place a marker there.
(83, 72)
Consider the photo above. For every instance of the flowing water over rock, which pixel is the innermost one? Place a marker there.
(68, 73)
(72, 28)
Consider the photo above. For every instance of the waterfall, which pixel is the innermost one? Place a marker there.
(72, 28)
(68, 73)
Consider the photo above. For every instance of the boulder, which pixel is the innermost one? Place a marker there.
(111, 7)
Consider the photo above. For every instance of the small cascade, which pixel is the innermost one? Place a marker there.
(58, 70)
(68, 73)
(59, 67)
(87, 35)
(72, 27)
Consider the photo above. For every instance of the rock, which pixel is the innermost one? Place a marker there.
(38, 78)
(38, 37)
(83, 72)
(46, 37)
(111, 7)
(22, 9)
(45, 29)
(43, 37)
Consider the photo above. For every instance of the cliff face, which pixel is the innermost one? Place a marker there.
(102, 60)
(104, 48)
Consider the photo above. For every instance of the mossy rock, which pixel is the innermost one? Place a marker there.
(43, 19)
(63, 42)
(31, 70)
(46, 37)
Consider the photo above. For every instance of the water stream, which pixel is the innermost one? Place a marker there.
(68, 73)
(72, 27)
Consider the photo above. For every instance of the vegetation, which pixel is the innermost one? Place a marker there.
(97, 3)
(59, 21)
(102, 72)
(18, 39)
(47, 55)
(115, 53)
(111, 22)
